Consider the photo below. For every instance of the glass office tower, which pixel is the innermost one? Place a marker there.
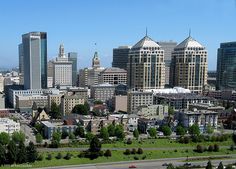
(72, 56)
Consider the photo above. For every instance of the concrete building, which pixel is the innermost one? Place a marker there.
(54, 98)
(211, 78)
(35, 60)
(72, 57)
(145, 124)
(146, 66)
(205, 106)
(1, 83)
(132, 123)
(9, 126)
(203, 118)
(158, 112)
(120, 57)
(50, 73)
(82, 92)
(189, 65)
(226, 66)
(21, 63)
(62, 70)
(2, 101)
(103, 92)
(119, 103)
(113, 76)
(136, 99)
(168, 47)
(69, 102)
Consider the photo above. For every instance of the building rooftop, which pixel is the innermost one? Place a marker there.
(169, 91)
(146, 42)
(189, 42)
(114, 70)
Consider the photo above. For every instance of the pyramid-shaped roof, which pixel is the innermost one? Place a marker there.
(189, 42)
(146, 42)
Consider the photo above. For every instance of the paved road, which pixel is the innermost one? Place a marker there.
(28, 132)
(150, 164)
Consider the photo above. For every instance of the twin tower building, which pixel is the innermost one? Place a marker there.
(147, 65)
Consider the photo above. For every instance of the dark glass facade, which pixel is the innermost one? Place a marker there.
(72, 56)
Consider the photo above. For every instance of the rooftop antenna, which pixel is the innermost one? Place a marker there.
(189, 33)
(146, 31)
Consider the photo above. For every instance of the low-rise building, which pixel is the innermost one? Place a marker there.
(132, 123)
(158, 112)
(80, 91)
(69, 102)
(119, 103)
(54, 98)
(103, 92)
(9, 126)
(145, 124)
(205, 106)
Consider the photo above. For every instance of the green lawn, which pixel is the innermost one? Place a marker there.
(119, 156)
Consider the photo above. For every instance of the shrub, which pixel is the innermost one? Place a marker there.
(232, 147)
(40, 157)
(67, 156)
(216, 147)
(144, 157)
(199, 149)
(101, 153)
(210, 148)
(127, 152)
(59, 156)
(82, 154)
(49, 157)
(140, 151)
(186, 140)
(133, 151)
(175, 150)
(107, 153)
(129, 141)
(136, 158)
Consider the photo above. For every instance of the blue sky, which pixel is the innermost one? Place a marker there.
(79, 24)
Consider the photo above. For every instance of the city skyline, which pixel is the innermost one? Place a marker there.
(82, 24)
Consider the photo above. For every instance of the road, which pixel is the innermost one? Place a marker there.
(28, 132)
(150, 164)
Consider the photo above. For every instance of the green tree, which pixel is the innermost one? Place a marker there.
(209, 165)
(79, 131)
(209, 129)
(107, 153)
(220, 166)
(31, 152)
(111, 130)
(98, 102)
(55, 111)
(21, 154)
(12, 152)
(136, 133)
(18, 137)
(2, 155)
(170, 110)
(89, 136)
(95, 145)
(39, 128)
(104, 133)
(194, 130)
(180, 130)
(166, 130)
(80, 109)
(4, 138)
(234, 137)
(152, 132)
(56, 138)
(119, 132)
(64, 134)
(71, 136)
(39, 138)
(86, 104)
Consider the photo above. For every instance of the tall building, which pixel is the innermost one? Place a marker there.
(226, 66)
(50, 73)
(168, 48)
(113, 76)
(96, 61)
(146, 66)
(72, 56)
(35, 60)
(21, 63)
(62, 70)
(189, 65)
(120, 57)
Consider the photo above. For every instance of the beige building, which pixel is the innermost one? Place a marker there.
(56, 98)
(158, 112)
(136, 99)
(1, 83)
(119, 103)
(69, 102)
(146, 66)
(25, 102)
(189, 65)
(113, 76)
(103, 92)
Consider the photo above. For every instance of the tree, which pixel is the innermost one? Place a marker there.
(95, 147)
(21, 154)
(4, 138)
(209, 129)
(111, 130)
(194, 130)
(71, 136)
(39, 128)
(79, 131)
(136, 133)
(31, 152)
(180, 131)
(98, 102)
(220, 166)
(234, 137)
(107, 153)
(2, 155)
(80, 109)
(55, 111)
(170, 111)
(18, 137)
(56, 138)
(86, 104)
(140, 151)
(209, 165)
(64, 134)
(39, 138)
(104, 133)
(119, 132)
(152, 132)
(89, 136)
(12, 152)
(166, 130)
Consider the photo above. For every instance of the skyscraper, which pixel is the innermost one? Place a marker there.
(72, 56)
(168, 47)
(120, 57)
(35, 60)
(21, 63)
(146, 66)
(189, 65)
(226, 66)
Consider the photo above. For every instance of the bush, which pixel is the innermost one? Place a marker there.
(100, 153)
(49, 157)
(210, 148)
(59, 156)
(200, 149)
(140, 151)
(133, 151)
(144, 157)
(107, 153)
(40, 157)
(82, 154)
(129, 141)
(136, 158)
(216, 147)
(68, 156)
(127, 152)
(232, 147)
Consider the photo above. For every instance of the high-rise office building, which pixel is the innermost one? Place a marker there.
(120, 57)
(189, 65)
(50, 73)
(168, 47)
(146, 66)
(72, 56)
(35, 60)
(21, 63)
(226, 66)
(62, 70)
